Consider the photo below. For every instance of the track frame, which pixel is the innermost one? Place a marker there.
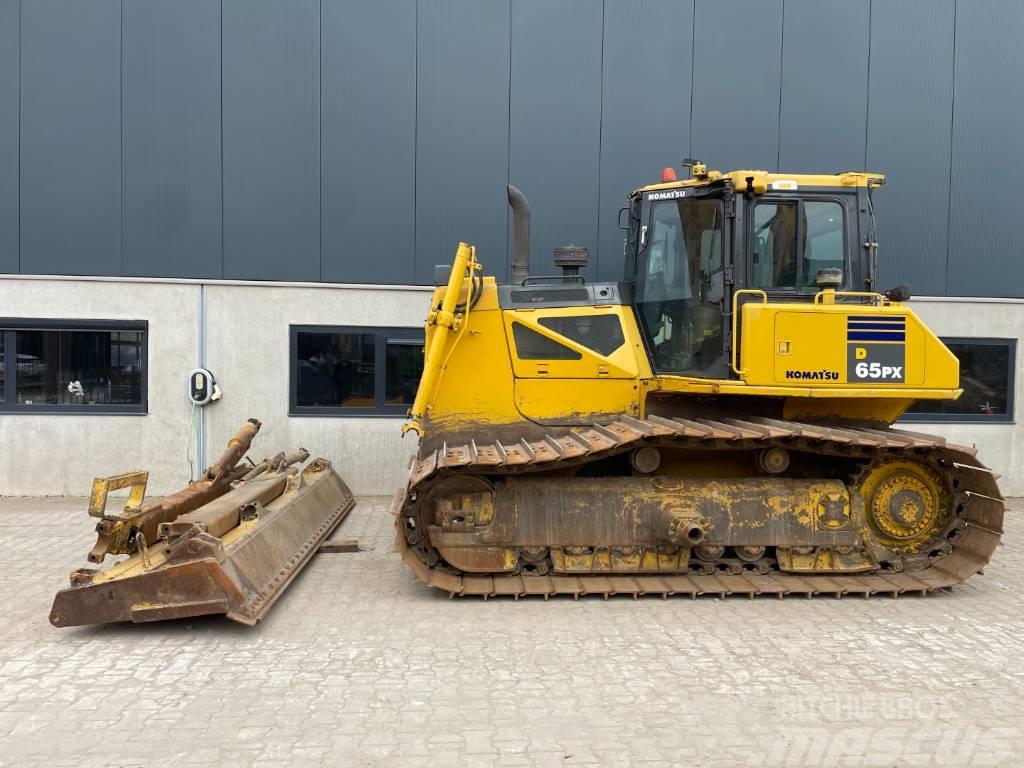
(973, 487)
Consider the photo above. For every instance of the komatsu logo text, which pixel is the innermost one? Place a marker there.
(816, 375)
(670, 194)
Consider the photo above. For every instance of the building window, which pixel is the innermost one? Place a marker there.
(354, 371)
(986, 377)
(72, 366)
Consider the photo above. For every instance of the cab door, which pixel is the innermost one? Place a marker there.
(681, 287)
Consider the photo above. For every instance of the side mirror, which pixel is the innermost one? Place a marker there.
(441, 273)
(899, 293)
(624, 217)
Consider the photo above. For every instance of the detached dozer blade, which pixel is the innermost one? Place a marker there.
(233, 554)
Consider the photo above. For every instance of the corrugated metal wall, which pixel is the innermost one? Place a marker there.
(357, 142)
(10, 53)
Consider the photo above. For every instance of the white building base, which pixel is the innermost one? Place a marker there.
(1000, 445)
(244, 341)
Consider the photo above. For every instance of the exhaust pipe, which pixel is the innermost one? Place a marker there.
(520, 235)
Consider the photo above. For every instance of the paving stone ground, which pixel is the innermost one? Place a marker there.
(358, 665)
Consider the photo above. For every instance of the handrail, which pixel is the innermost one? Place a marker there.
(819, 296)
(735, 315)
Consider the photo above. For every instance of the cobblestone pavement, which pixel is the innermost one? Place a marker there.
(359, 665)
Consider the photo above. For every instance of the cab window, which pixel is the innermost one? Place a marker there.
(775, 263)
(823, 246)
(685, 248)
(600, 333)
(686, 241)
(531, 345)
(794, 240)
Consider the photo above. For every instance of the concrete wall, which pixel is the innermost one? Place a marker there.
(53, 454)
(259, 140)
(247, 350)
(1000, 446)
(248, 353)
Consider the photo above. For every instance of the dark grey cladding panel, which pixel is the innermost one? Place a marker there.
(369, 141)
(10, 38)
(462, 133)
(824, 86)
(909, 112)
(986, 228)
(271, 113)
(555, 123)
(71, 137)
(171, 123)
(645, 120)
(111, 115)
(736, 82)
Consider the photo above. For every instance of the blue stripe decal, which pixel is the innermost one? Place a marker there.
(892, 335)
(878, 318)
(874, 327)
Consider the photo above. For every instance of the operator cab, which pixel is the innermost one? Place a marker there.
(690, 245)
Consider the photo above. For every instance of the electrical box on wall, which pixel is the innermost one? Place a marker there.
(202, 388)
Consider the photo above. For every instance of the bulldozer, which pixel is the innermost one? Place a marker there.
(717, 422)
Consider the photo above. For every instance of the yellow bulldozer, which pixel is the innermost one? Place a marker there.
(718, 422)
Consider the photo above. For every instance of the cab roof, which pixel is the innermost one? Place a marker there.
(762, 181)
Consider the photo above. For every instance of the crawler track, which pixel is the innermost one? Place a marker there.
(977, 506)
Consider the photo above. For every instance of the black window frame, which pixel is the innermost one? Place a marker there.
(964, 418)
(9, 326)
(380, 409)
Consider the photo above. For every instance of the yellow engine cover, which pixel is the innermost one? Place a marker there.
(875, 349)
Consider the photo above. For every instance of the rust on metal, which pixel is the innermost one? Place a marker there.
(515, 516)
(226, 512)
(116, 531)
(102, 486)
(222, 545)
(237, 447)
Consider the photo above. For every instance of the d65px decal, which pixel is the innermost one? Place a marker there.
(876, 349)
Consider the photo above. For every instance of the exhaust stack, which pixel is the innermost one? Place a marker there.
(520, 234)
